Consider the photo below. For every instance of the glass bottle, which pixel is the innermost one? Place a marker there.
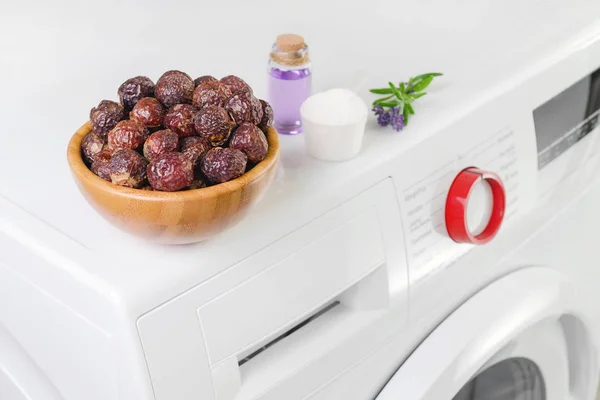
(289, 82)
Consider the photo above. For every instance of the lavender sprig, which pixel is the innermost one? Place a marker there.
(392, 117)
(395, 108)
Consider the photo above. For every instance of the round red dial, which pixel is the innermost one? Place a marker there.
(457, 203)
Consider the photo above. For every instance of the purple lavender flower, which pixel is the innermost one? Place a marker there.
(396, 119)
(384, 118)
(397, 122)
(378, 109)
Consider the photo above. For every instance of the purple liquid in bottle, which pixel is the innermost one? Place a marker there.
(289, 82)
(287, 92)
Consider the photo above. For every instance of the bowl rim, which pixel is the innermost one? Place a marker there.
(78, 167)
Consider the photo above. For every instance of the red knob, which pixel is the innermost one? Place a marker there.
(458, 200)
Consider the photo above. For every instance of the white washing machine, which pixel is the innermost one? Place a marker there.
(455, 260)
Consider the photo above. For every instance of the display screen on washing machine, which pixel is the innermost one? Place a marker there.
(567, 118)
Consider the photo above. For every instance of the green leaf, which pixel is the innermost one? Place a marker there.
(396, 91)
(422, 84)
(381, 91)
(403, 97)
(415, 81)
(390, 104)
(383, 99)
(410, 108)
(402, 87)
(418, 95)
(406, 114)
(427, 75)
(409, 98)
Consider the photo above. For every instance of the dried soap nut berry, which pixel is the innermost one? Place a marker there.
(91, 145)
(170, 172)
(244, 107)
(174, 87)
(211, 93)
(194, 142)
(251, 141)
(195, 151)
(128, 134)
(198, 183)
(105, 116)
(176, 72)
(101, 164)
(159, 142)
(205, 78)
(223, 164)
(235, 84)
(134, 89)
(186, 142)
(128, 168)
(213, 123)
(149, 112)
(180, 119)
(267, 119)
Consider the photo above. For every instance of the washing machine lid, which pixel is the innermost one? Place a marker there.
(526, 336)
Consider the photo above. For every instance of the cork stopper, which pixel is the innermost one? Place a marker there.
(290, 42)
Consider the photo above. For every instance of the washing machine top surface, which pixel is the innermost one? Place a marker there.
(479, 47)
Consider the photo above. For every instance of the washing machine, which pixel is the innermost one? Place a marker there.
(455, 260)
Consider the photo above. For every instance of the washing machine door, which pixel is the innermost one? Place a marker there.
(526, 336)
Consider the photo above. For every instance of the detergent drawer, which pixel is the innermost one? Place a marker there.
(282, 309)
(292, 287)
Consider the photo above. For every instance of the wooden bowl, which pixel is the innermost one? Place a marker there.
(174, 217)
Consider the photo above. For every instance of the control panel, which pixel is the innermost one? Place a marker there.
(464, 191)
